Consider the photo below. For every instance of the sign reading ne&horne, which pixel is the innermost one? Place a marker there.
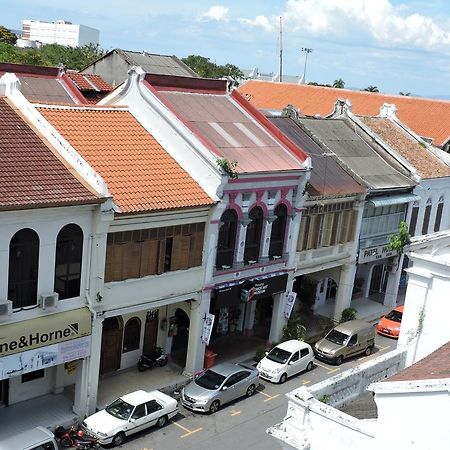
(207, 328)
(290, 300)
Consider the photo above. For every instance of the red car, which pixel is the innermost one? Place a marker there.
(389, 324)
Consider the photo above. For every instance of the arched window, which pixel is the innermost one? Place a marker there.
(278, 232)
(440, 207)
(226, 240)
(426, 217)
(23, 268)
(253, 236)
(69, 252)
(132, 335)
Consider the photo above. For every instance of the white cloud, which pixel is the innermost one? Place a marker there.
(259, 21)
(219, 13)
(379, 21)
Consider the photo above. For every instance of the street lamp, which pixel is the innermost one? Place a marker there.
(307, 51)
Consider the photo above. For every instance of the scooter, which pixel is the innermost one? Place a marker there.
(156, 358)
(76, 437)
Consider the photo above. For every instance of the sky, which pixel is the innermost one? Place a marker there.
(396, 45)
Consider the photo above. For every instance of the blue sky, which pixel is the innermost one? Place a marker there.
(393, 44)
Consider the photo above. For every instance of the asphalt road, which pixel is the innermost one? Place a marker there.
(241, 424)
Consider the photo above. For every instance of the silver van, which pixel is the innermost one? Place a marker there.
(345, 340)
(38, 438)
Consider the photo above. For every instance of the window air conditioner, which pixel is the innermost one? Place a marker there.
(48, 300)
(6, 308)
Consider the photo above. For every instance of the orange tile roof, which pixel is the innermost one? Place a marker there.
(427, 117)
(427, 165)
(140, 174)
(31, 173)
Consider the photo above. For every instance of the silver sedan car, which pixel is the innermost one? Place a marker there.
(219, 385)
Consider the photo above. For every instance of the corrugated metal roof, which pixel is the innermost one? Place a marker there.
(48, 90)
(354, 149)
(327, 176)
(233, 132)
(393, 199)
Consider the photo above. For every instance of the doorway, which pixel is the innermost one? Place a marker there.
(4, 385)
(378, 281)
(181, 337)
(111, 351)
(150, 332)
(263, 317)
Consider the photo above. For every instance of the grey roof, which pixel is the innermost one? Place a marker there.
(157, 64)
(357, 151)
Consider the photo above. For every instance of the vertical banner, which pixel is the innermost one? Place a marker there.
(290, 300)
(207, 328)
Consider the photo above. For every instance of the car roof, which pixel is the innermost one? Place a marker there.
(293, 345)
(352, 325)
(138, 397)
(27, 439)
(227, 369)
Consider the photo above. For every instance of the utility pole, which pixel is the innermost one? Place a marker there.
(307, 51)
(281, 49)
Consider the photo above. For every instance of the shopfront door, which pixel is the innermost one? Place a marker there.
(111, 345)
(4, 392)
(379, 279)
(150, 333)
(263, 317)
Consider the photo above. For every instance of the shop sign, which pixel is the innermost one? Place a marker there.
(43, 357)
(207, 328)
(43, 331)
(374, 253)
(290, 300)
(250, 290)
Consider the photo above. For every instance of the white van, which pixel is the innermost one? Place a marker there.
(285, 360)
(38, 438)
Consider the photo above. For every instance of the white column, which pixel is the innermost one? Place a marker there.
(196, 348)
(80, 405)
(390, 296)
(345, 289)
(265, 238)
(242, 233)
(278, 320)
(93, 367)
(249, 319)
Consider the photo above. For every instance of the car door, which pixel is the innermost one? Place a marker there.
(138, 419)
(293, 364)
(353, 345)
(242, 383)
(154, 412)
(305, 358)
(229, 394)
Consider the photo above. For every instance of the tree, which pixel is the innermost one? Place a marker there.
(406, 94)
(7, 36)
(339, 83)
(76, 58)
(205, 68)
(371, 89)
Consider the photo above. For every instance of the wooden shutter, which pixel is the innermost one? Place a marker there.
(180, 252)
(161, 256)
(117, 262)
(109, 262)
(327, 229)
(131, 260)
(149, 258)
(196, 249)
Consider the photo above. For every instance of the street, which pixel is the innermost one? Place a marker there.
(241, 424)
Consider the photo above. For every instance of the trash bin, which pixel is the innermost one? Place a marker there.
(210, 358)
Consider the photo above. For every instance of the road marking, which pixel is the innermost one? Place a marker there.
(269, 397)
(327, 368)
(234, 413)
(187, 431)
(382, 349)
(306, 382)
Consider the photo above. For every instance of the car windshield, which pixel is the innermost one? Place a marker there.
(395, 316)
(278, 355)
(210, 380)
(120, 409)
(336, 337)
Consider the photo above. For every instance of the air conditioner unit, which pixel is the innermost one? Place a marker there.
(48, 300)
(6, 308)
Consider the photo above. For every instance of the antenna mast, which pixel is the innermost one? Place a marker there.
(281, 49)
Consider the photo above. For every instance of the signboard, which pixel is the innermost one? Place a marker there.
(44, 331)
(250, 290)
(290, 300)
(41, 358)
(374, 253)
(207, 328)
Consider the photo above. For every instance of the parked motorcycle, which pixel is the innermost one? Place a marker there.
(156, 358)
(76, 437)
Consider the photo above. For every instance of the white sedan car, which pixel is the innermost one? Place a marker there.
(130, 414)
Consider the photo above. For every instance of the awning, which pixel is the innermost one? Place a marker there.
(393, 199)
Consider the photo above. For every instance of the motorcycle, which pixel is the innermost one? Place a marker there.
(156, 358)
(76, 437)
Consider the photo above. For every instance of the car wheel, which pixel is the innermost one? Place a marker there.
(368, 351)
(309, 366)
(215, 405)
(251, 390)
(161, 421)
(118, 439)
(66, 442)
(283, 378)
(339, 360)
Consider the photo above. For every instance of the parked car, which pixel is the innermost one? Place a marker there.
(219, 385)
(38, 438)
(389, 325)
(345, 340)
(129, 414)
(285, 360)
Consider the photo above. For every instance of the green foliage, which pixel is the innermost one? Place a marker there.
(339, 83)
(205, 68)
(325, 399)
(227, 167)
(260, 353)
(406, 94)
(399, 240)
(348, 314)
(371, 89)
(294, 329)
(7, 36)
(75, 58)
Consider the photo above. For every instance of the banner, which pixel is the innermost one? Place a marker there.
(290, 300)
(207, 328)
